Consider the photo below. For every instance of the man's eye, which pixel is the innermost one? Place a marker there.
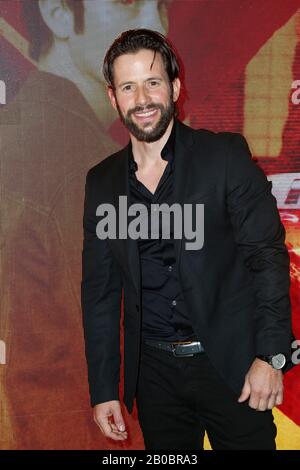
(153, 83)
(127, 88)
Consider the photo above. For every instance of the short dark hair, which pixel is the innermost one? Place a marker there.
(134, 40)
(40, 36)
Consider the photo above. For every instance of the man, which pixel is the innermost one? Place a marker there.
(207, 331)
(56, 129)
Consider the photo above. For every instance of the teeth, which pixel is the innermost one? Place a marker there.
(149, 113)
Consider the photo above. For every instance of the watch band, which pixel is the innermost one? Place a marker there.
(277, 361)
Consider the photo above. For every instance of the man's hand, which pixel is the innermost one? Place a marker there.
(114, 429)
(263, 385)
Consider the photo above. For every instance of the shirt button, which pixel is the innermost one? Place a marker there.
(170, 268)
(174, 302)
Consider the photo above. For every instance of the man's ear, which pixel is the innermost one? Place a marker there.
(112, 98)
(176, 89)
(58, 17)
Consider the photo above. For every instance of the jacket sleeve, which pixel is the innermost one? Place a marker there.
(260, 235)
(101, 291)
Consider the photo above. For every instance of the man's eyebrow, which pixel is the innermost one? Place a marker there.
(125, 83)
(132, 83)
(154, 78)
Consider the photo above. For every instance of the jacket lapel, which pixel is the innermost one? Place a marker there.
(120, 186)
(184, 142)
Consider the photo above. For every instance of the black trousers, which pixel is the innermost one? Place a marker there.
(179, 398)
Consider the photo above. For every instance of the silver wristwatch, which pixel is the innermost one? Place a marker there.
(277, 361)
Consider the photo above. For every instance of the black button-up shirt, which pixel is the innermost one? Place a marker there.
(164, 313)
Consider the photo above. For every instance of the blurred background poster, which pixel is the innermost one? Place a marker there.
(241, 69)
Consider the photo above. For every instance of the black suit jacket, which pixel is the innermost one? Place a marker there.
(236, 287)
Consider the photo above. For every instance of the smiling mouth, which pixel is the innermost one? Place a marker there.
(145, 114)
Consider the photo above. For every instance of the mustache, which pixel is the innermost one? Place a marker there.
(149, 107)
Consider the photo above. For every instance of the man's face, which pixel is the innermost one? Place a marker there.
(104, 21)
(143, 95)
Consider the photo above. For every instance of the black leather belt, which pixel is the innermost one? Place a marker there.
(184, 348)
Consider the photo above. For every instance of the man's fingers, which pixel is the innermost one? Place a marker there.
(263, 404)
(118, 418)
(109, 418)
(272, 401)
(115, 429)
(110, 430)
(254, 400)
(115, 435)
(245, 392)
(279, 398)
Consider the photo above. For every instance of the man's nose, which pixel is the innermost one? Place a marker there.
(142, 96)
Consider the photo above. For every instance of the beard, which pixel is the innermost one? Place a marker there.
(166, 114)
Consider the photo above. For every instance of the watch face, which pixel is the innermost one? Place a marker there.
(278, 361)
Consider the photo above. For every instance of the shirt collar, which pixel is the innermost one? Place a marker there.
(167, 152)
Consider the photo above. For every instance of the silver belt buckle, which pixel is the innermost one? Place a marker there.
(179, 355)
